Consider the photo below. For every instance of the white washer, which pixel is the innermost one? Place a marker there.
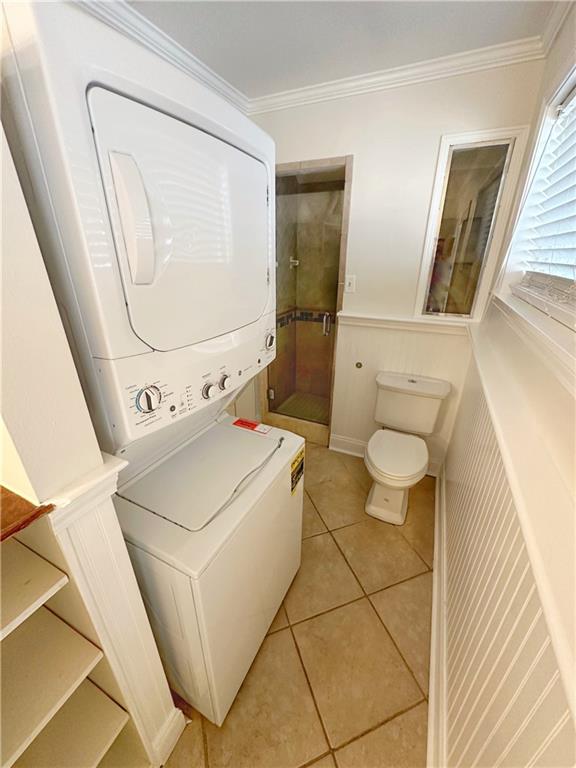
(212, 586)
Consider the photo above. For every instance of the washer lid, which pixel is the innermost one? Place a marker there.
(396, 454)
(190, 487)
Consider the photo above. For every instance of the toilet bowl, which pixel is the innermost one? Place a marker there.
(395, 461)
(395, 458)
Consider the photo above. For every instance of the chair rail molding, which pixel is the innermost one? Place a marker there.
(418, 325)
(86, 528)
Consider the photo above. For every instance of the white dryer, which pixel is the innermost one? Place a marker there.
(153, 201)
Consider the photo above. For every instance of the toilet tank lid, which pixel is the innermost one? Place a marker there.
(413, 384)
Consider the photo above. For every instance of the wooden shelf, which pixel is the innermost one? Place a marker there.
(126, 752)
(79, 734)
(27, 582)
(17, 512)
(43, 663)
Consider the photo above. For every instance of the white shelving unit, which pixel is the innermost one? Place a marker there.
(79, 734)
(52, 715)
(43, 662)
(28, 581)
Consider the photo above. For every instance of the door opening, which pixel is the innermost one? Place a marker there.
(312, 206)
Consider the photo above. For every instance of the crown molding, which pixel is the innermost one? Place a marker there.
(516, 52)
(554, 23)
(125, 19)
(129, 22)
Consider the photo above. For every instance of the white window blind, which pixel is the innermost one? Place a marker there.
(544, 245)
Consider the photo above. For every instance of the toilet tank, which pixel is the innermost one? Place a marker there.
(408, 402)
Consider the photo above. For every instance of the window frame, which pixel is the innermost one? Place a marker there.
(509, 288)
(516, 137)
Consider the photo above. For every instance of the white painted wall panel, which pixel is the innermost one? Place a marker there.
(419, 348)
(505, 701)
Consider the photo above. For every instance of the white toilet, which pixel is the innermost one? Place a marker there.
(396, 459)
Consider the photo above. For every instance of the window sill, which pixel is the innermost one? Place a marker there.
(555, 342)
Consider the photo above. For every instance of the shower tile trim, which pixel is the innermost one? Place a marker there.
(303, 315)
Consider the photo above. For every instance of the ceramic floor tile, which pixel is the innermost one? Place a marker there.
(340, 501)
(189, 749)
(357, 468)
(401, 743)
(406, 610)
(357, 675)
(325, 762)
(311, 520)
(324, 580)
(321, 464)
(378, 554)
(280, 621)
(418, 529)
(273, 721)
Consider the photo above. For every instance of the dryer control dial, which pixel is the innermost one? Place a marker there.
(269, 340)
(148, 399)
(225, 382)
(209, 390)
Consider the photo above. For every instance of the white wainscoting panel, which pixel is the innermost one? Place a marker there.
(404, 346)
(504, 701)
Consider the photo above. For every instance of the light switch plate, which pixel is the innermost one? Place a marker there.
(350, 284)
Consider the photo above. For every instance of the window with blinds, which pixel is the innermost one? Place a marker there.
(544, 245)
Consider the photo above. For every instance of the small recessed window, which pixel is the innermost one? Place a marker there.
(473, 184)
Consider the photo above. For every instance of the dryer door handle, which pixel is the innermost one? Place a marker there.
(134, 217)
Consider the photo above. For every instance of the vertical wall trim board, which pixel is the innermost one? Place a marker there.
(496, 695)
(436, 747)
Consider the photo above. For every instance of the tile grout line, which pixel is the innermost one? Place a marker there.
(366, 595)
(349, 525)
(316, 707)
(379, 725)
(380, 619)
(204, 742)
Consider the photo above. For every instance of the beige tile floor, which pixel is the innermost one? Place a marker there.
(341, 680)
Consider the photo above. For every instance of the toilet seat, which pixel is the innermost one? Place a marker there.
(396, 459)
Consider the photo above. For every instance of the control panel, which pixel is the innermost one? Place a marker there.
(159, 389)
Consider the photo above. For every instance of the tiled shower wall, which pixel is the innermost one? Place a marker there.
(308, 230)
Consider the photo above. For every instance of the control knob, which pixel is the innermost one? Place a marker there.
(209, 390)
(225, 382)
(148, 399)
(269, 340)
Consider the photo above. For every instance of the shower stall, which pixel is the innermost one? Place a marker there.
(311, 206)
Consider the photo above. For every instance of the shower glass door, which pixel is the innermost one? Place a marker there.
(308, 243)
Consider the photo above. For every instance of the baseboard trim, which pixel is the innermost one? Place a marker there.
(437, 689)
(349, 445)
(166, 740)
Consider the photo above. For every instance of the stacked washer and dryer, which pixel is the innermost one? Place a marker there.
(153, 199)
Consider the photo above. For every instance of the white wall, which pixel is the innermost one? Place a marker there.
(394, 136)
(501, 694)
(420, 348)
(50, 441)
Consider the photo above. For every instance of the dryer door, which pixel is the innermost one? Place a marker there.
(190, 219)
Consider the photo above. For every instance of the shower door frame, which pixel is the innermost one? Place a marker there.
(313, 431)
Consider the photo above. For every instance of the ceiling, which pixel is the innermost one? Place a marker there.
(268, 47)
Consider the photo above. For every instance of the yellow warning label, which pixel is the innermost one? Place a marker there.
(297, 468)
